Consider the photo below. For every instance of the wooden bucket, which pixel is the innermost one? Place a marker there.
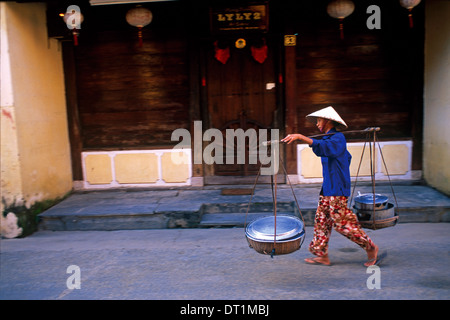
(383, 218)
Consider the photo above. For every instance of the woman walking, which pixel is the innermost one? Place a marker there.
(332, 210)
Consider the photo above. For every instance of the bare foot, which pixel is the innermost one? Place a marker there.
(372, 254)
(319, 260)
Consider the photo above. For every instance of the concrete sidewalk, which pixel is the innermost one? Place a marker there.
(207, 207)
(199, 264)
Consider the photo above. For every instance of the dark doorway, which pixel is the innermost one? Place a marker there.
(241, 91)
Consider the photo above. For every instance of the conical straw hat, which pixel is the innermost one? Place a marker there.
(327, 113)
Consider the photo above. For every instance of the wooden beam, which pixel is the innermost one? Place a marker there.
(291, 122)
(73, 117)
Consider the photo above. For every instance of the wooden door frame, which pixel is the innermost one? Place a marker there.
(201, 108)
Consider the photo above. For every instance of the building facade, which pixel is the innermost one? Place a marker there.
(102, 113)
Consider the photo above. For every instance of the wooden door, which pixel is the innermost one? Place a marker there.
(241, 92)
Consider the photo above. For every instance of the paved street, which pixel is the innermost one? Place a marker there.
(197, 264)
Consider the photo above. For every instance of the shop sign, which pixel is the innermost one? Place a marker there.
(242, 18)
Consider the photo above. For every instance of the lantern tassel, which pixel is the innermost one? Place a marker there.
(75, 37)
(140, 36)
(341, 28)
(411, 25)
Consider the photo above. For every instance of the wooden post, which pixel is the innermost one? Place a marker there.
(73, 118)
(290, 83)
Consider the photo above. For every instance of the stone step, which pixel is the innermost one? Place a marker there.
(236, 219)
(236, 207)
(186, 208)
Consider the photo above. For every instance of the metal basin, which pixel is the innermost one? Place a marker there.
(366, 201)
(290, 234)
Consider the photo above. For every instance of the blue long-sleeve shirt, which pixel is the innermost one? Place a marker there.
(335, 164)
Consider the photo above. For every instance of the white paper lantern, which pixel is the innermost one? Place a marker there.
(73, 19)
(139, 17)
(409, 4)
(340, 9)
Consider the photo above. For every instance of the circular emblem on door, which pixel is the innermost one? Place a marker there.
(240, 43)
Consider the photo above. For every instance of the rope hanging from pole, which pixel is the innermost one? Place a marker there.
(372, 157)
(273, 178)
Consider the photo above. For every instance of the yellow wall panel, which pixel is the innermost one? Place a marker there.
(396, 157)
(311, 166)
(136, 168)
(175, 169)
(356, 152)
(98, 169)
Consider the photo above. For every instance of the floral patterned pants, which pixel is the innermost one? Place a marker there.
(333, 212)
